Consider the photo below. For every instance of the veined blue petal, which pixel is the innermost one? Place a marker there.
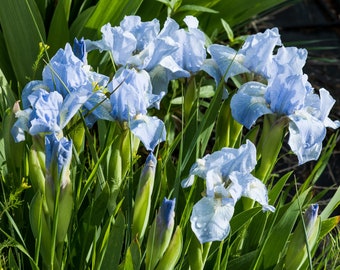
(28, 90)
(45, 115)
(229, 61)
(306, 134)
(258, 51)
(79, 49)
(144, 32)
(214, 181)
(58, 155)
(252, 188)
(326, 104)
(210, 219)
(248, 104)
(65, 73)
(226, 161)
(239, 160)
(191, 52)
(170, 26)
(210, 66)
(288, 61)
(150, 130)
(286, 94)
(130, 94)
(187, 182)
(21, 125)
(98, 106)
(163, 73)
(71, 105)
(153, 54)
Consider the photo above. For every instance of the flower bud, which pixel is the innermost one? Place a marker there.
(143, 197)
(58, 188)
(123, 150)
(37, 169)
(304, 236)
(173, 252)
(160, 233)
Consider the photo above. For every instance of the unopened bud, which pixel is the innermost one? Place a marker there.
(143, 197)
(160, 233)
(305, 235)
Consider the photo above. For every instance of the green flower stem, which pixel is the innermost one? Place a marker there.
(54, 263)
(227, 129)
(270, 145)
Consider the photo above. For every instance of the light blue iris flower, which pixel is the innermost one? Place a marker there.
(131, 94)
(65, 73)
(228, 177)
(291, 95)
(256, 55)
(130, 98)
(68, 72)
(45, 112)
(166, 54)
(191, 51)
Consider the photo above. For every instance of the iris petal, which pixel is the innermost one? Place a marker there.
(248, 104)
(210, 219)
(306, 134)
(150, 130)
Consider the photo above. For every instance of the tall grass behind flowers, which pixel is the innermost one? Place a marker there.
(166, 160)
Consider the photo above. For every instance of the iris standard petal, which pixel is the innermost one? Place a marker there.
(228, 60)
(191, 52)
(162, 74)
(248, 104)
(286, 94)
(71, 105)
(65, 73)
(79, 49)
(28, 90)
(150, 130)
(130, 94)
(226, 161)
(258, 51)
(144, 32)
(210, 219)
(288, 61)
(306, 134)
(326, 104)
